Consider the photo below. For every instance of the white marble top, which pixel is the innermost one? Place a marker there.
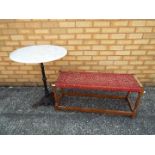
(38, 54)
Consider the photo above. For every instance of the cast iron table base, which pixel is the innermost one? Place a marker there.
(48, 98)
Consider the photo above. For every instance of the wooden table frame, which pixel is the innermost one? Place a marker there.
(59, 93)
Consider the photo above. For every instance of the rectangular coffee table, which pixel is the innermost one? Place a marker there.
(99, 81)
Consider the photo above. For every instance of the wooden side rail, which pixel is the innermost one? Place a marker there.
(94, 110)
(93, 95)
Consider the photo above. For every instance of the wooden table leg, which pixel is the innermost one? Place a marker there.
(136, 105)
(58, 95)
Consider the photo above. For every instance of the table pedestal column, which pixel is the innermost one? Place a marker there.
(44, 79)
(48, 98)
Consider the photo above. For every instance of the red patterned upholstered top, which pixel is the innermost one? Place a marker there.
(98, 81)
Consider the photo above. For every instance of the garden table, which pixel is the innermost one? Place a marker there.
(40, 54)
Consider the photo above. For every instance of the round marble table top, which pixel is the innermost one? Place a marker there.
(38, 54)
